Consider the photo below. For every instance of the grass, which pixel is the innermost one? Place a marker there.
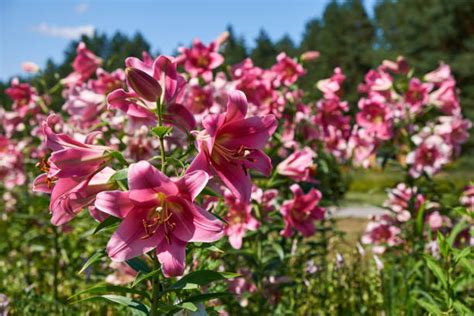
(368, 187)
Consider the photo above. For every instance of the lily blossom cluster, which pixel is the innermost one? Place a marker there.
(467, 198)
(331, 119)
(422, 116)
(178, 150)
(405, 205)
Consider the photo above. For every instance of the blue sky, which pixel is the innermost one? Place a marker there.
(34, 30)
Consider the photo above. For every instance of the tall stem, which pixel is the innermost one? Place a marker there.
(56, 265)
(156, 291)
(162, 139)
(156, 285)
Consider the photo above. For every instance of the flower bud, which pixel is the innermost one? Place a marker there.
(143, 84)
(309, 55)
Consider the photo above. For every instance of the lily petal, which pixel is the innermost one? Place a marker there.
(236, 179)
(171, 255)
(115, 203)
(128, 240)
(192, 183)
(259, 161)
(236, 106)
(145, 181)
(251, 132)
(208, 228)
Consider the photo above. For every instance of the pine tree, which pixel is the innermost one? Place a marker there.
(264, 53)
(234, 48)
(285, 44)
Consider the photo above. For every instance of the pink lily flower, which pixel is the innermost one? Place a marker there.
(363, 146)
(332, 87)
(376, 117)
(161, 78)
(436, 221)
(12, 171)
(287, 70)
(200, 60)
(381, 232)
(107, 82)
(446, 98)
(301, 212)
(71, 158)
(24, 96)
(439, 75)
(84, 106)
(231, 144)
(299, 166)
(400, 198)
(84, 66)
(417, 95)
(266, 199)
(467, 198)
(431, 153)
(240, 219)
(400, 66)
(377, 81)
(158, 212)
(454, 130)
(71, 195)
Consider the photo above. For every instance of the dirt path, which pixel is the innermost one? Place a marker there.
(357, 211)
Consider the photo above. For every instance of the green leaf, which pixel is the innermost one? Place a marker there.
(279, 250)
(420, 219)
(124, 301)
(461, 308)
(208, 246)
(118, 155)
(443, 245)
(467, 265)
(119, 175)
(210, 192)
(144, 276)
(462, 254)
(206, 297)
(459, 227)
(188, 306)
(161, 131)
(109, 288)
(437, 271)
(108, 222)
(93, 259)
(430, 307)
(138, 265)
(199, 278)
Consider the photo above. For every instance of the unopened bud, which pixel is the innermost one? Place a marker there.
(222, 38)
(309, 55)
(143, 84)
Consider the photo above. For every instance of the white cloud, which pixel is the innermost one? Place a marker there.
(73, 32)
(81, 7)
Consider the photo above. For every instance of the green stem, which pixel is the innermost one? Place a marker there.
(156, 290)
(162, 139)
(56, 265)
(156, 285)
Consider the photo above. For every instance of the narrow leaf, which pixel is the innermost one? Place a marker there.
(93, 259)
(437, 271)
(119, 175)
(101, 288)
(431, 308)
(108, 222)
(138, 265)
(199, 278)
